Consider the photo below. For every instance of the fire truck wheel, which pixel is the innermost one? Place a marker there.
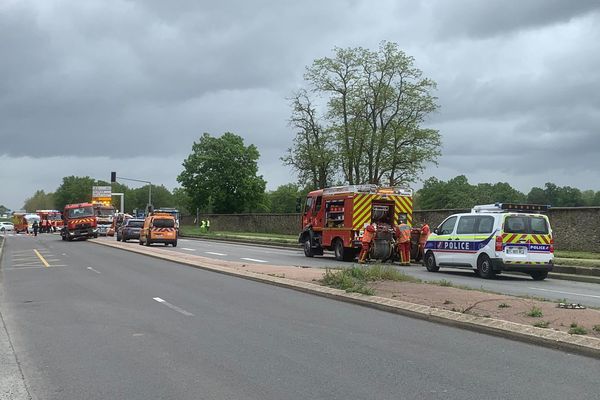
(175, 243)
(308, 251)
(338, 250)
(430, 263)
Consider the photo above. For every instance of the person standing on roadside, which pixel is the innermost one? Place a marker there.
(35, 227)
(365, 241)
(423, 236)
(403, 238)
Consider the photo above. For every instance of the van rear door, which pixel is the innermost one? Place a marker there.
(527, 238)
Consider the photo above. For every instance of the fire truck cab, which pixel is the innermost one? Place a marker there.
(335, 218)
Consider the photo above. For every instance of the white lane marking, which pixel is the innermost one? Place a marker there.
(571, 293)
(254, 259)
(184, 240)
(173, 307)
(188, 249)
(215, 253)
(92, 269)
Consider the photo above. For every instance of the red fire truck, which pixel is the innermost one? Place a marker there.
(79, 222)
(335, 218)
(54, 216)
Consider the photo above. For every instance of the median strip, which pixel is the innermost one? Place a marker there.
(586, 345)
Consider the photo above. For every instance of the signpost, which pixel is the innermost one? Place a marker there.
(102, 194)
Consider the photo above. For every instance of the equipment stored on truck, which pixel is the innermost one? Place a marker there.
(79, 222)
(335, 218)
(493, 238)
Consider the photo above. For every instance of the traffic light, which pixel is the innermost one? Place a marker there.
(113, 177)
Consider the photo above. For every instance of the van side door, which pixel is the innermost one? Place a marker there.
(443, 241)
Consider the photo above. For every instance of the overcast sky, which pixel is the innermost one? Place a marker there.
(88, 87)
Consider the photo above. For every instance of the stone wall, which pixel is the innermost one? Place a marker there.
(576, 228)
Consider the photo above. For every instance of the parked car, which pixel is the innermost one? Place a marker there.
(130, 229)
(6, 227)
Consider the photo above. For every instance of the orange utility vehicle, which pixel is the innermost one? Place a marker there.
(159, 228)
(335, 218)
(79, 222)
(23, 222)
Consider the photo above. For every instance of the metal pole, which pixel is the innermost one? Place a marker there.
(149, 194)
(122, 200)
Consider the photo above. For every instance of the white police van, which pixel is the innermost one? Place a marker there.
(494, 238)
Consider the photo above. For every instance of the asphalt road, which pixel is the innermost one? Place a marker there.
(102, 323)
(513, 284)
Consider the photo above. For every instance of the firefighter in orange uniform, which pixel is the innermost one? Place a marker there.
(403, 238)
(423, 236)
(366, 240)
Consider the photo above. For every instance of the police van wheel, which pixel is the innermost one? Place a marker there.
(308, 251)
(430, 263)
(484, 267)
(539, 275)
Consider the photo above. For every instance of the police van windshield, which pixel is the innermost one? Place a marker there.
(526, 224)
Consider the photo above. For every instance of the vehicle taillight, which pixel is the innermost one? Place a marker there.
(551, 245)
(499, 243)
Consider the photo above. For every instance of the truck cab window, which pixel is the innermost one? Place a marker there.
(318, 203)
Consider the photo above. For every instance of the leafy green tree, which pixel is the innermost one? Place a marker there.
(284, 199)
(556, 196)
(458, 193)
(313, 154)
(596, 199)
(74, 189)
(221, 174)
(537, 196)
(587, 196)
(39, 201)
(376, 103)
(182, 202)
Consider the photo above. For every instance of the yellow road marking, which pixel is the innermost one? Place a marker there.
(42, 259)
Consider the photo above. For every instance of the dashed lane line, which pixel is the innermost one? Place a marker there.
(173, 307)
(254, 259)
(561, 292)
(187, 249)
(214, 253)
(93, 270)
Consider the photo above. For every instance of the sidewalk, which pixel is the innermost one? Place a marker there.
(528, 320)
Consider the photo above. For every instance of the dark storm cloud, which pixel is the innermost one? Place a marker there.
(128, 72)
(481, 19)
(89, 81)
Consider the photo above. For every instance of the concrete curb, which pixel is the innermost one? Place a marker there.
(584, 345)
(12, 382)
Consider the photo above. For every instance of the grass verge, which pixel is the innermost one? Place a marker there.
(356, 279)
(188, 230)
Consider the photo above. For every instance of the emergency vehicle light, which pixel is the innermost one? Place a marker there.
(504, 207)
